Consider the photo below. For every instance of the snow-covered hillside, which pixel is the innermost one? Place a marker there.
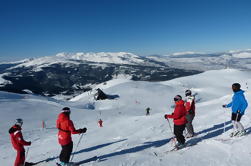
(129, 138)
(2, 80)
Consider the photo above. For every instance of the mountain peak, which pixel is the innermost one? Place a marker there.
(103, 57)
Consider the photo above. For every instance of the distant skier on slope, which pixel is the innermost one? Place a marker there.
(148, 111)
(100, 123)
(179, 119)
(190, 108)
(238, 105)
(18, 142)
(65, 129)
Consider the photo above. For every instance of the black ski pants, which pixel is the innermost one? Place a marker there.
(66, 152)
(178, 132)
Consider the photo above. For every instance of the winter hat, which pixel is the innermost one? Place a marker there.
(236, 87)
(19, 122)
(177, 98)
(66, 109)
(188, 92)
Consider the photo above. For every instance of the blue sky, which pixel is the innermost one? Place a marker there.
(33, 28)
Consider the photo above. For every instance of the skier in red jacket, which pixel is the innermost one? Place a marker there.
(179, 119)
(190, 108)
(18, 142)
(100, 123)
(65, 129)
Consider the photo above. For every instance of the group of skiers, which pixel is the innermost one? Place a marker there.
(183, 115)
(65, 128)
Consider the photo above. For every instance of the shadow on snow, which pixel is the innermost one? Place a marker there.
(211, 132)
(83, 150)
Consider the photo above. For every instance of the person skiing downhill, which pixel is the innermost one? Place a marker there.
(190, 108)
(65, 129)
(179, 119)
(18, 142)
(238, 105)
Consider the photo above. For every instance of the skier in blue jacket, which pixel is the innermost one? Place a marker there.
(238, 105)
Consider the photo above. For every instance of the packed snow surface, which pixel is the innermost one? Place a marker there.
(129, 138)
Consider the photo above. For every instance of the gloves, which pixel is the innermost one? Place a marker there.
(29, 143)
(83, 130)
(224, 106)
(166, 116)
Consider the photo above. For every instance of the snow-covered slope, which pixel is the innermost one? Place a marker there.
(129, 138)
(2, 80)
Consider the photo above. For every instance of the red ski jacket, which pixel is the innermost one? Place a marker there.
(190, 104)
(65, 129)
(16, 137)
(179, 113)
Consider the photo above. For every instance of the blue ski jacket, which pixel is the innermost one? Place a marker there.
(239, 103)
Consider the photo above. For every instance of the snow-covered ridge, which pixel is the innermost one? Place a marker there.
(106, 57)
(233, 53)
(76, 58)
(3, 81)
(185, 53)
(238, 59)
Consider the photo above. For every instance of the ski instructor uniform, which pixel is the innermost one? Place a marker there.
(65, 129)
(179, 119)
(18, 142)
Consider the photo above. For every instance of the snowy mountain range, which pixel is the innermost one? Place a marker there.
(240, 59)
(129, 137)
(69, 74)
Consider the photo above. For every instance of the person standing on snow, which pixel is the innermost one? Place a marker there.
(190, 108)
(148, 111)
(18, 142)
(100, 123)
(65, 129)
(179, 119)
(238, 105)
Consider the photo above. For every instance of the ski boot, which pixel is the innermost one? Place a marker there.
(241, 133)
(179, 146)
(233, 133)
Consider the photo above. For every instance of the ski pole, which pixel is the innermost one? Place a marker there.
(173, 139)
(26, 155)
(224, 129)
(77, 146)
(170, 125)
(237, 114)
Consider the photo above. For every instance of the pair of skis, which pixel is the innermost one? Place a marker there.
(94, 158)
(44, 163)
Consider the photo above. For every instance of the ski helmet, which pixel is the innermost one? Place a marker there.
(236, 87)
(66, 109)
(188, 92)
(19, 122)
(177, 98)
